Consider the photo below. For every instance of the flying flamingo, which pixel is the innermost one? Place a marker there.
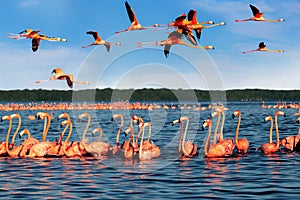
(258, 16)
(271, 147)
(188, 148)
(60, 75)
(242, 144)
(174, 37)
(198, 27)
(291, 142)
(135, 25)
(215, 150)
(99, 41)
(262, 47)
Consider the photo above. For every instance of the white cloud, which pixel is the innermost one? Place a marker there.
(28, 3)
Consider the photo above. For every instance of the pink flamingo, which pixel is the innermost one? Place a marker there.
(262, 47)
(99, 41)
(271, 147)
(215, 150)
(258, 16)
(291, 142)
(188, 148)
(242, 144)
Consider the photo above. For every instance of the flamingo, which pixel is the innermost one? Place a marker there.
(147, 153)
(35, 36)
(119, 115)
(262, 47)
(188, 148)
(198, 27)
(291, 142)
(174, 37)
(271, 147)
(228, 143)
(216, 150)
(40, 149)
(150, 145)
(135, 25)
(242, 144)
(258, 16)
(60, 75)
(99, 41)
(96, 148)
(72, 150)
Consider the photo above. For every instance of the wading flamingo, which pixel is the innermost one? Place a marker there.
(258, 16)
(262, 47)
(119, 115)
(291, 142)
(212, 151)
(242, 144)
(60, 75)
(99, 41)
(96, 148)
(271, 147)
(174, 38)
(186, 148)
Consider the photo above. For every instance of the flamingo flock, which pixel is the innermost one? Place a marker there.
(184, 28)
(136, 146)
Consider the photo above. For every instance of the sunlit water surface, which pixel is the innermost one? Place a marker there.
(250, 176)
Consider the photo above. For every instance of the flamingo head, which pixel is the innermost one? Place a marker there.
(66, 122)
(41, 115)
(222, 23)
(206, 123)
(278, 112)
(268, 118)
(280, 50)
(25, 131)
(216, 113)
(15, 116)
(5, 118)
(209, 47)
(176, 121)
(83, 115)
(96, 130)
(236, 113)
(63, 115)
(298, 120)
(281, 20)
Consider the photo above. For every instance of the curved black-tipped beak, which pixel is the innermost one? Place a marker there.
(112, 119)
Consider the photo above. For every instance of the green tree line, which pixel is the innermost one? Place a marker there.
(109, 94)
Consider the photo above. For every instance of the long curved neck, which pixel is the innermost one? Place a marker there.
(86, 128)
(7, 137)
(237, 130)
(222, 125)
(47, 128)
(67, 139)
(184, 136)
(100, 135)
(149, 134)
(17, 130)
(207, 143)
(62, 134)
(141, 142)
(216, 129)
(180, 137)
(277, 132)
(271, 130)
(120, 129)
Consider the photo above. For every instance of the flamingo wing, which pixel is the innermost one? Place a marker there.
(181, 17)
(198, 33)
(130, 13)
(189, 36)
(35, 44)
(261, 45)
(192, 16)
(107, 46)
(69, 82)
(255, 10)
(94, 34)
(175, 34)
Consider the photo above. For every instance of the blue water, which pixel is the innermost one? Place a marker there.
(251, 176)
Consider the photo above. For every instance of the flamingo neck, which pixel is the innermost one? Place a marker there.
(86, 129)
(7, 137)
(237, 130)
(149, 135)
(277, 132)
(216, 129)
(207, 143)
(67, 139)
(120, 129)
(47, 123)
(141, 142)
(183, 139)
(180, 137)
(222, 126)
(271, 130)
(100, 135)
(17, 130)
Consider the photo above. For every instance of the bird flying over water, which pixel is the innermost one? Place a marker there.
(99, 41)
(60, 75)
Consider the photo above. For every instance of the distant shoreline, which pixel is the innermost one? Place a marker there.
(109, 94)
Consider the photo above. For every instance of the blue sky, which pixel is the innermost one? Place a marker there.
(128, 66)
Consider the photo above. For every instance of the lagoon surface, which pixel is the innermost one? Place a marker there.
(249, 176)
